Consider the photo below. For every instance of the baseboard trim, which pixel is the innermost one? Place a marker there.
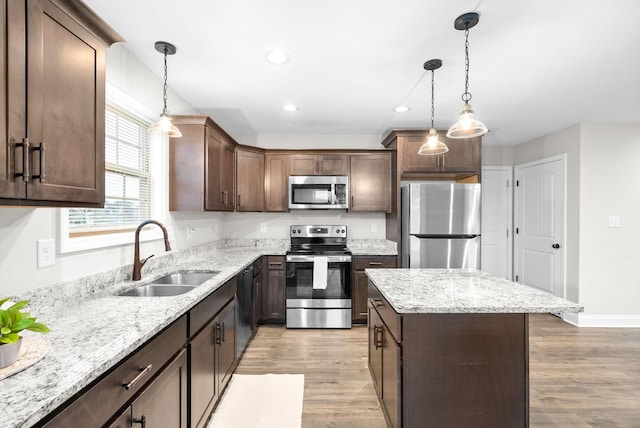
(621, 321)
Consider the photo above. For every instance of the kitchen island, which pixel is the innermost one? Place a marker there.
(449, 347)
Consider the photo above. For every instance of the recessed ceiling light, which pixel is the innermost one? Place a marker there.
(402, 109)
(278, 57)
(289, 107)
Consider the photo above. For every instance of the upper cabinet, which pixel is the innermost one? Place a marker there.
(201, 166)
(461, 161)
(250, 179)
(52, 85)
(319, 164)
(370, 182)
(275, 182)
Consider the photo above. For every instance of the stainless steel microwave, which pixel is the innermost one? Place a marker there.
(318, 192)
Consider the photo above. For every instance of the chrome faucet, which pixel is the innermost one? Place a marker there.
(137, 263)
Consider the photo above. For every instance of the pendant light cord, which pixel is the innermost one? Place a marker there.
(466, 97)
(164, 89)
(432, 99)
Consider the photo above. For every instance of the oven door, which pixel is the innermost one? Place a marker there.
(332, 285)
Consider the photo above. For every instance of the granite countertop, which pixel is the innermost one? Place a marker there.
(462, 291)
(372, 247)
(93, 329)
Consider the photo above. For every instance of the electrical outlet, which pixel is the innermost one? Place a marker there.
(263, 227)
(614, 221)
(46, 253)
(190, 232)
(374, 227)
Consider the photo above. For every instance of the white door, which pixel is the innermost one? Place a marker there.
(540, 224)
(496, 254)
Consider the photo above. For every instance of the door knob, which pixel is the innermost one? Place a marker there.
(556, 246)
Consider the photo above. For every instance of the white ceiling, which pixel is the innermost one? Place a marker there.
(536, 66)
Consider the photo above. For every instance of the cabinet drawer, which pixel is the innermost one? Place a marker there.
(210, 306)
(392, 320)
(373, 262)
(275, 262)
(102, 400)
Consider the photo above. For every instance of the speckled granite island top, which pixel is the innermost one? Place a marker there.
(462, 291)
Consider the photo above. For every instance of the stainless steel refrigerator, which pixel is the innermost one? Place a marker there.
(441, 225)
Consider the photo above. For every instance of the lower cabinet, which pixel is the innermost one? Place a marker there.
(212, 352)
(156, 371)
(360, 280)
(273, 295)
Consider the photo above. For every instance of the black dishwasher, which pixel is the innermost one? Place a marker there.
(244, 301)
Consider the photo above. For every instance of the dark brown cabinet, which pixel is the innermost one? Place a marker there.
(360, 281)
(164, 401)
(212, 350)
(448, 369)
(319, 164)
(385, 366)
(275, 182)
(257, 293)
(201, 166)
(156, 370)
(370, 182)
(53, 99)
(273, 293)
(249, 180)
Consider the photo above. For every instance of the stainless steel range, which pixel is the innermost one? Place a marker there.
(318, 283)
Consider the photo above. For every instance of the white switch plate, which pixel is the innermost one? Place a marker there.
(614, 221)
(263, 227)
(374, 227)
(46, 253)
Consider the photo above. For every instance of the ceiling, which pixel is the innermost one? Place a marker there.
(535, 66)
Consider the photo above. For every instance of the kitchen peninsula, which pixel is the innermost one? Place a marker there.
(449, 347)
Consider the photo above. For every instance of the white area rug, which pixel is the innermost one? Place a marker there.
(261, 401)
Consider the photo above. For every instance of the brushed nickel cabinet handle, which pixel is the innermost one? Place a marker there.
(25, 160)
(143, 371)
(41, 148)
(377, 339)
(377, 303)
(375, 263)
(238, 200)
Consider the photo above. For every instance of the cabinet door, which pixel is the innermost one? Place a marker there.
(123, 420)
(371, 182)
(391, 377)
(412, 161)
(250, 181)
(257, 298)
(226, 341)
(274, 295)
(275, 183)
(227, 169)
(303, 164)
(463, 156)
(164, 402)
(65, 107)
(204, 389)
(333, 164)
(375, 348)
(13, 104)
(214, 197)
(359, 310)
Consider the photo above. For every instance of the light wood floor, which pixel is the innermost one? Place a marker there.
(579, 377)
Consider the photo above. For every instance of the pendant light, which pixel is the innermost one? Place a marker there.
(164, 124)
(433, 145)
(467, 126)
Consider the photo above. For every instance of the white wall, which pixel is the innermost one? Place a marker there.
(20, 228)
(610, 185)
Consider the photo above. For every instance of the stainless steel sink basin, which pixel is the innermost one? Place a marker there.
(186, 277)
(154, 290)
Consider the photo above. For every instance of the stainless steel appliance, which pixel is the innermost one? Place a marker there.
(318, 192)
(318, 278)
(441, 225)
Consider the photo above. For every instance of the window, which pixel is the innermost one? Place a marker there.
(127, 179)
(135, 181)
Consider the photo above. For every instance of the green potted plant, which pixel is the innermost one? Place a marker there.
(12, 321)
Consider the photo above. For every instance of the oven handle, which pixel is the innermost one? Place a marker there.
(292, 258)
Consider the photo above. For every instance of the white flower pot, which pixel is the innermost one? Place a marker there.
(9, 353)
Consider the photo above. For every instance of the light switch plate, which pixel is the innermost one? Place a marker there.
(46, 253)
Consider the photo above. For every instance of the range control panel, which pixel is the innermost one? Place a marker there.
(314, 231)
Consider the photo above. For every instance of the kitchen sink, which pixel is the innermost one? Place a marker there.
(172, 284)
(155, 290)
(186, 277)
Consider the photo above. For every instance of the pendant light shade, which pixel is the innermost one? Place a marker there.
(466, 126)
(164, 125)
(433, 145)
